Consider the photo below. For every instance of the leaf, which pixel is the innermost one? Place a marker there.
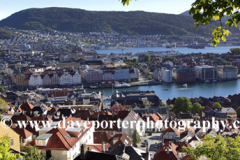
(215, 18)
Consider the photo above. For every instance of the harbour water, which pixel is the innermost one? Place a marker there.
(207, 90)
(184, 50)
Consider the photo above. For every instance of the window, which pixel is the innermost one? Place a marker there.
(11, 142)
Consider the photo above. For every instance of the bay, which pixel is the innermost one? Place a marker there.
(184, 50)
(207, 90)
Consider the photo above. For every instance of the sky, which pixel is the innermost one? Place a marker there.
(8, 7)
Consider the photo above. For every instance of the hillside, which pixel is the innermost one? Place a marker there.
(78, 20)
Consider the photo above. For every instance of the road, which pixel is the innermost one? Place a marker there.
(151, 141)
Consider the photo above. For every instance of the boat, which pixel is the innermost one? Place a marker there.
(207, 81)
(214, 80)
(166, 89)
(185, 85)
(93, 87)
(124, 85)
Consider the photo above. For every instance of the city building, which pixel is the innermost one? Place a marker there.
(184, 75)
(92, 75)
(166, 75)
(206, 73)
(227, 72)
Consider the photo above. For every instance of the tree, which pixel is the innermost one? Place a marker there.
(1, 88)
(149, 77)
(197, 108)
(238, 111)
(217, 105)
(171, 106)
(235, 50)
(216, 148)
(32, 153)
(5, 152)
(182, 104)
(135, 60)
(3, 105)
(229, 63)
(147, 58)
(136, 138)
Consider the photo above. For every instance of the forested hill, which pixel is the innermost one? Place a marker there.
(78, 20)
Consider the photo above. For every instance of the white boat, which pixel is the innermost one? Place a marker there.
(207, 81)
(124, 85)
(93, 87)
(185, 85)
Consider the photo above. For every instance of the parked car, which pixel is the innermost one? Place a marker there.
(144, 144)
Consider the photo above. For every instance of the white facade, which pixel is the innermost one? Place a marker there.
(107, 76)
(72, 153)
(76, 79)
(35, 80)
(135, 74)
(227, 72)
(129, 126)
(166, 75)
(66, 79)
(157, 74)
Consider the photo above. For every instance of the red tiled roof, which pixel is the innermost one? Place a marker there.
(98, 147)
(171, 130)
(23, 133)
(26, 106)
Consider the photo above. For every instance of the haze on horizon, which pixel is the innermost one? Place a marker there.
(161, 6)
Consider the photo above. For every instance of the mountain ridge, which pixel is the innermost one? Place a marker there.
(80, 20)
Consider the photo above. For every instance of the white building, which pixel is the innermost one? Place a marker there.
(65, 143)
(66, 79)
(157, 74)
(35, 80)
(76, 78)
(227, 72)
(133, 122)
(166, 75)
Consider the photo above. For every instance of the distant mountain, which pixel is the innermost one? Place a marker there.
(186, 13)
(78, 20)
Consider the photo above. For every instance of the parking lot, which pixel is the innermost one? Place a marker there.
(154, 138)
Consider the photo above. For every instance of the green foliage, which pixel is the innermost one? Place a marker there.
(67, 50)
(217, 105)
(223, 62)
(235, 50)
(1, 88)
(147, 58)
(229, 63)
(197, 108)
(5, 34)
(216, 148)
(5, 152)
(136, 138)
(32, 153)
(149, 77)
(238, 111)
(171, 106)
(135, 61)
(77, 20)
(182, 104)
(205, 11)
(132, 63)
(82, 59)
(3, 105)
